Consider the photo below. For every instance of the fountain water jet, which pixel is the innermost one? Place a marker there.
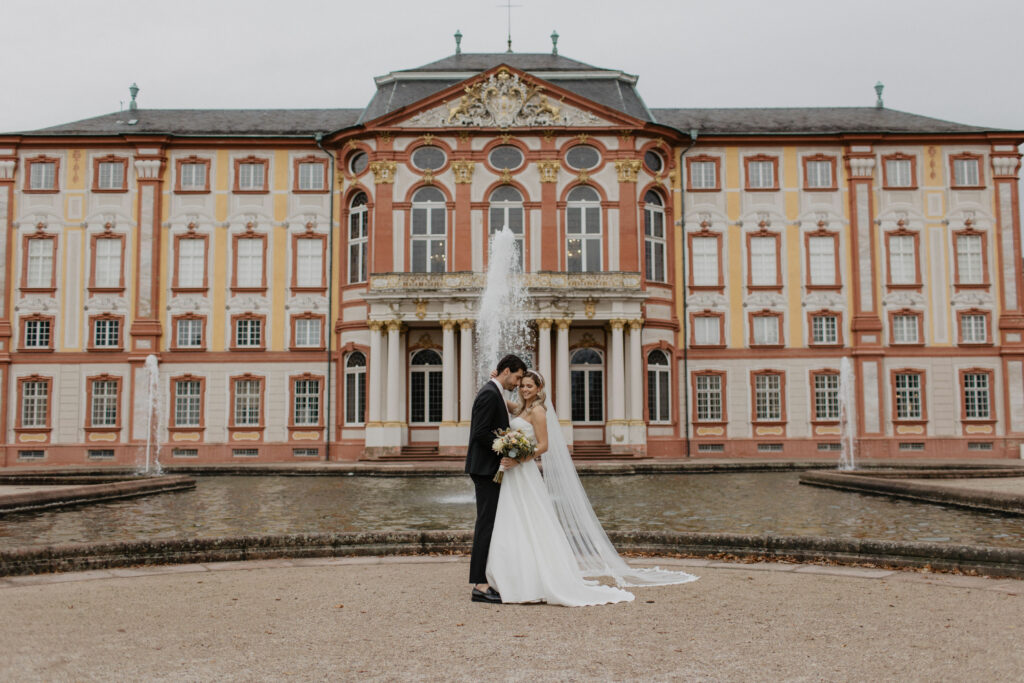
(153, 415)
(501, 319)
(847, 415)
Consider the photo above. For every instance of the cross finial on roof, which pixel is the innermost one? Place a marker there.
(508, 7)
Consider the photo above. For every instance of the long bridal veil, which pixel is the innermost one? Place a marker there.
(594, 552)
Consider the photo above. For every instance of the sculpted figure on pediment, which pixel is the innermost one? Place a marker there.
(972, 297)
(903, 298)
(706, 300)
(38, 304)
(251, 302)
(764, 300)
(107, 303)
(188, 303)
(819, 299)
(307, 302)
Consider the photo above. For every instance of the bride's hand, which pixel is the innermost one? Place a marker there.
(509, 463)
(494, 373)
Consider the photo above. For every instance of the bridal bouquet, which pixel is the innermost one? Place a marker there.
(511, 443)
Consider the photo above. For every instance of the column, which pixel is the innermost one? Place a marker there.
(616, 385)
(629, 255)
(448, 372)
(465, 371)
(1006, 271)
(8, 164)
(375, 389)
(544, 346)
(636, 397)
(394, 393)
(563, 390)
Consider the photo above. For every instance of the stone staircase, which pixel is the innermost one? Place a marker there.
(421, 453)
(594, 451)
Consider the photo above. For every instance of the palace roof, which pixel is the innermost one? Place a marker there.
(609, 87)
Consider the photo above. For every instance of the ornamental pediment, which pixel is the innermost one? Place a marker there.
(504, 99)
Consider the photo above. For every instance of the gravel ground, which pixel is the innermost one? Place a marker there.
(411, 619)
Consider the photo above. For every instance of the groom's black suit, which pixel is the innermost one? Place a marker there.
(489, 415)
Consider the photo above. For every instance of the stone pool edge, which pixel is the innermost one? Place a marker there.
(80, 490)
(975, 560)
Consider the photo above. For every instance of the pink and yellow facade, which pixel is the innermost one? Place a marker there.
(307, 280)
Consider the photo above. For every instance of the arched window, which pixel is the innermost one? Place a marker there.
(358, 232)
(587, 379)
(355, 388)
(583, 230)
(658, 371)
(654, 236)
(507, 210)
(425, 387)
(429, 231)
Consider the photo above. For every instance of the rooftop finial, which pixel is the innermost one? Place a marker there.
(878, 91)
(508, 7)
(134, 90)
(554, 42)
(458, 42)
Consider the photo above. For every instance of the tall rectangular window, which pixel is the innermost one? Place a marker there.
(355, 388)
(970, 264)
(704, 256)
(111, 175)
(247, 402)
(103, 411)
(763, 262)
(973, 329)
(709, 398)
(306, 410)
(826, 396)
(35, 403)
(108, 262)
(703, 175)
(311, 176)
(309, 259)
(766, 329)
(249, 262)
(42, 175)
(899, 173)
(818, 174)
(965, 172)
(251, 177)
(824, 329)
(654, 238)
(249, 332)
(902, 260)
(193, 177)
(187, 402)
(707, 330)
(106, 332)
(908, 396)
(189, 333)
(307, 332)
(192, 263)
(40, 263)
(768, 397)
(760, 175)
(822, 260)
(976, 396)
(905, 329)
(37, 334)
(358, 233)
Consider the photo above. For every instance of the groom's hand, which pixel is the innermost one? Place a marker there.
(509, 463)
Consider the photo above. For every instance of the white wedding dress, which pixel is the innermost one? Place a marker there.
(530, 558)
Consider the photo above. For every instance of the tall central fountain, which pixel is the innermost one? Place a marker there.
(847, 414)
(153, 415)
(502, 325)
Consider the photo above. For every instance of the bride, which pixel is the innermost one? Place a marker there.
(546, 537)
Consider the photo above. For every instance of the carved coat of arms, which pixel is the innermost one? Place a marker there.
(504, 100)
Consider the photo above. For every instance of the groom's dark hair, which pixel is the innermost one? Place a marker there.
(513, 362)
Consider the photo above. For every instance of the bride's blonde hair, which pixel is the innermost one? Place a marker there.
(541, 396)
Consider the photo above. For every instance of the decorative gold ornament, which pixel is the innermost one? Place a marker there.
(421, 308)
(383, 172)
(428, 177)
(385, 137)
(427, 342)
(590, 307)
(503, 99)
(582, 137)
(463, 171)
(627, 170)
(583, 176)
(505, 137)
(506, 176)
(626, 134)
(548, 171)
(428, 138)
(463, 135)
(587, 341)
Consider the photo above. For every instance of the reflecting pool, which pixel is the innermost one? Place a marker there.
(747, 503)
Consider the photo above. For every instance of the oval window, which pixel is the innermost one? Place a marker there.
(506, 156)
(358, 163)
(583, 157)
(654, 161)
(428, 158)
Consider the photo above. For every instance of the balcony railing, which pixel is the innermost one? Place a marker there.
(384, 283)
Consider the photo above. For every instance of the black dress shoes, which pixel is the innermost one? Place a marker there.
(490, 595)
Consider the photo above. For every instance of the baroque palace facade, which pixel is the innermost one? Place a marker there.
(308, 279)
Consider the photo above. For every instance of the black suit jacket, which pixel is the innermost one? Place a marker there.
(489, 415)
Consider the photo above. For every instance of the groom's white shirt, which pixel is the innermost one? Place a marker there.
(501, 392)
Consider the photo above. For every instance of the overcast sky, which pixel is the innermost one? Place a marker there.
(73, 59)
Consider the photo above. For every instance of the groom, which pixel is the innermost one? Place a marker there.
(490, 413)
